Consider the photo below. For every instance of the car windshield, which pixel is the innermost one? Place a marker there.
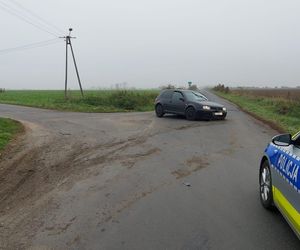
(193, 96)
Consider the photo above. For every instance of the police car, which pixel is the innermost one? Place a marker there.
(279, 178)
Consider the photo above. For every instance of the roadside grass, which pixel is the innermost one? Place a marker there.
(93, 101)
(283, 114)
(8, 129)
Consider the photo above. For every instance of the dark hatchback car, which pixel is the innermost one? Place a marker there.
(193, 105)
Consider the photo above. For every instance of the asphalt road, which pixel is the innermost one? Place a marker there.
(118, 181)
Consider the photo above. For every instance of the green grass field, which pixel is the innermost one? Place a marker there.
(94, 101)
(284, 114)
(8, 129)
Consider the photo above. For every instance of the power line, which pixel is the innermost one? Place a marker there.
(20, 14)
(37, 16)
(30, 46)
(13, 12)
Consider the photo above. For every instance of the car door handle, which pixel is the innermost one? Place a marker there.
(275, 150)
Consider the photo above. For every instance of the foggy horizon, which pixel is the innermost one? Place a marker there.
(148, 44)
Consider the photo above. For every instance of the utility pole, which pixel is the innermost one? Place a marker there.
(69, 44)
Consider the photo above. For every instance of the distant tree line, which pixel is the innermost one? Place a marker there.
(221, 88)
(171, 86)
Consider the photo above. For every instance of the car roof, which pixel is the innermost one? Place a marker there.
(182, 90)
(188, 90)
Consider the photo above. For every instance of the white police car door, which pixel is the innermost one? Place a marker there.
(286, 178)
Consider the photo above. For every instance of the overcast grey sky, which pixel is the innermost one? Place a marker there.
(147, 43)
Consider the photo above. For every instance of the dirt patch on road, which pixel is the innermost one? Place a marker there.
(35, 165)
(43, 163)
(130, 160)
(192, 165)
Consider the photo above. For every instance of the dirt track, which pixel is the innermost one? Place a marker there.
(115, 181)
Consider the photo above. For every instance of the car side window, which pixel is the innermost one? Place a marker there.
(177, 96)
(167, 94)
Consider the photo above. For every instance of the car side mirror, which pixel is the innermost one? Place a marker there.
(283, 140)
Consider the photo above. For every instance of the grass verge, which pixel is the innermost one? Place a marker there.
(281, 114)
(8, 130)
(94, 101)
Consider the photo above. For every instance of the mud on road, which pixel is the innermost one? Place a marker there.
(111, 181)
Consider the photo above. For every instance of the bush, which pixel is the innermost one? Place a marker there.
(130, 100)
(221, 88)
(169, 86)
(124, 99)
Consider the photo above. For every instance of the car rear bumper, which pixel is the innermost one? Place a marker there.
(211, 115)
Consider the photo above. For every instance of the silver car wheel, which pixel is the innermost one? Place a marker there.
(265, 184)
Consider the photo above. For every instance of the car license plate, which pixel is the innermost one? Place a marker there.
(218, 113)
